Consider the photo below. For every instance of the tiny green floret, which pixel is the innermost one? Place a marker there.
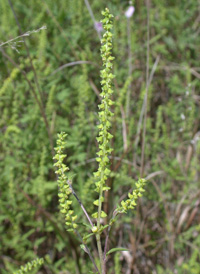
(63, 185)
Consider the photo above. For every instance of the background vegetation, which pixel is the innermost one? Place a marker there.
(50, 96)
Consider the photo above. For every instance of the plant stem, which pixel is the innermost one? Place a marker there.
(106, 246)
(100, 254)
(107, 236)
(100, 208)
(98, 227)
(88, 251)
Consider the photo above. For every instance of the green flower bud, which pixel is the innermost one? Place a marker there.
(94, 229)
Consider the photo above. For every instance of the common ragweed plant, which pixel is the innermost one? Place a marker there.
(103, 171)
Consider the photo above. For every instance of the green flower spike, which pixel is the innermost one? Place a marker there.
(104, 114)
(133, 197)
(104, 136)
(63, 185)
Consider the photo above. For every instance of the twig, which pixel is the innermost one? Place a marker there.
(28, 33)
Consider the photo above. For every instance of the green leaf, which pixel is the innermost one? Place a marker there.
(116, 249)
(103, 227)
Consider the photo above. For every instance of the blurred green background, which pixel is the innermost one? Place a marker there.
(57, 91)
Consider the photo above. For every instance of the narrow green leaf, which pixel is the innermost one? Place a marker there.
(88, 236)
(116, 249)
